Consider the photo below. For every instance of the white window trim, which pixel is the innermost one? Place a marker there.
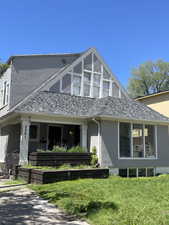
(38, 132)
(131, 143)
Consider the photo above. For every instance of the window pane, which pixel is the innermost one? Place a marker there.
(96, 80)
(150, 172)
(96, 91)
(97, 65)
(76, 85)
(66, 83)
(78, 68)
(86, 90)
(149, 133)
(115, 90)
(137, 134)
(88, 62)
(106, 75)
(125, 134)
(87, 77)
(132, 172)
(106, 85)
(123, 172)
(55, 87)
(141, 172)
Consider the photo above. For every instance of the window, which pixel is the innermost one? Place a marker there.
(66, 83)
(87, 83)
(106, 85)
(96, 85)
(137, 135)
(115, 90)
(89, 78)
(5, 94)
(137, 172)
(76, 85)
(56, 87)
(137, 141)
(125, 140)
(33, 133)
(149, 134)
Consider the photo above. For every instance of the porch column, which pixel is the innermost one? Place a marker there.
(24, 141)
(84, 136)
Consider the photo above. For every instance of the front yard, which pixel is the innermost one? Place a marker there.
(112, 201)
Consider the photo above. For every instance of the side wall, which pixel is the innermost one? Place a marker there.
(109, 147)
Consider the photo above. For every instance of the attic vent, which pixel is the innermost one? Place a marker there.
(64, 61)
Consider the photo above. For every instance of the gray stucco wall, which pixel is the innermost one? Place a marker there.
(29, 72)
(92, 135)
(109, 146)
(11, 142)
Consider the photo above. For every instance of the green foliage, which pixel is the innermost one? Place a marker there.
(112, 201)
(62, 149)
(148, 78)
(3, 68)
(62, 167)
(94, 160)
(76, 149)
(58, 149)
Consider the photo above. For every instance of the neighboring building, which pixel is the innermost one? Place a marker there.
(158, 101)
(74, 99)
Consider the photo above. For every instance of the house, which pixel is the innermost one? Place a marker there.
(75, 99)
(158, 101)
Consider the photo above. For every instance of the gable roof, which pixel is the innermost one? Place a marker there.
(59, 73)
(75, 106)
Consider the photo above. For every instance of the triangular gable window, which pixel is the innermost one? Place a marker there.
(89, 78)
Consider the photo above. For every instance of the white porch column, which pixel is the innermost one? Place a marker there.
(84, 135)
(24, 141)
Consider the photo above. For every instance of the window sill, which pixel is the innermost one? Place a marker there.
(126, 158)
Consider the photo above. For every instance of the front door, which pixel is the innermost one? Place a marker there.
(54, 136)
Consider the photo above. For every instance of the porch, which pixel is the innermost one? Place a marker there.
(24, 136)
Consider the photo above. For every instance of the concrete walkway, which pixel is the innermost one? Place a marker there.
(21, 206)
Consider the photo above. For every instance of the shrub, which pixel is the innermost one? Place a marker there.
(58, 149)
(76, 149)
(94, 160)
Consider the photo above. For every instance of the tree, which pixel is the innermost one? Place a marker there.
(3, 68)
(149, 78)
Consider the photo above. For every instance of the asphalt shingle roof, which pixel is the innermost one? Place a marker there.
(67, 105)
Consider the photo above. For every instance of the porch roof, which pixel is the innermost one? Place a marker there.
(67, 105)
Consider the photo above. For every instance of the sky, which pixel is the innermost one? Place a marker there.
(125, 32)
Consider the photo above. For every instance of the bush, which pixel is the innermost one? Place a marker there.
(62, 149)
(94, 160)
(76, 149)
(58, 149)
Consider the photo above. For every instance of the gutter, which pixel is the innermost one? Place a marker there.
(99, 140)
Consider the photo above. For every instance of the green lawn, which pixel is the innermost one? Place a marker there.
(113, 201)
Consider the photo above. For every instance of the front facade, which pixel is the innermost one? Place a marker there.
(74, 99)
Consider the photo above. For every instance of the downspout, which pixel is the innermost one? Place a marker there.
(99, 140)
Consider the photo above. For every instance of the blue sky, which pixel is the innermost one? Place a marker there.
(125, 32)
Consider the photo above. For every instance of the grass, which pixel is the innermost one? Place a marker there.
(14, 182)
(112, 201)
(63, 167)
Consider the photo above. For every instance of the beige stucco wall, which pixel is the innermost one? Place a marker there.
(160, 103)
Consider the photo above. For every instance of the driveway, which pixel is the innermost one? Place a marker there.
(21, 206)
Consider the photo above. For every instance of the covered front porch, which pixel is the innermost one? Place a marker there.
(21, 136)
